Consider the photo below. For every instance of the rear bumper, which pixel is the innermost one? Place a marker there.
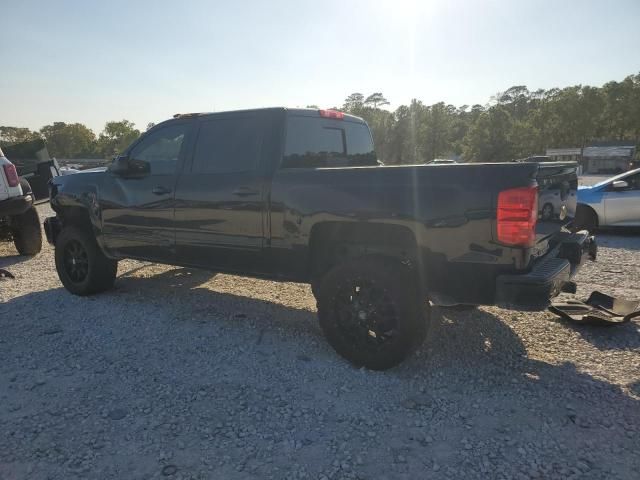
(548, 277)
(15, 205)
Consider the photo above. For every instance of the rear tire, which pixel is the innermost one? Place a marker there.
(586, 219)
(371, 311)
(27, 232)
(82, 267)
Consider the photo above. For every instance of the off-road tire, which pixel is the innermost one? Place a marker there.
(27, 232)
(398, 285)
(585, 219)
(100, 272)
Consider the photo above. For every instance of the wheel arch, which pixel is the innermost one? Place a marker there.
(333, 242)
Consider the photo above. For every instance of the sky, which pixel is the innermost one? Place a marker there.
(92, 62)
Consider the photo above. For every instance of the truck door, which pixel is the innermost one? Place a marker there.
(138, 209)
(220, 199)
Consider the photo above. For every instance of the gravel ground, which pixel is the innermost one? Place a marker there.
(180, 373)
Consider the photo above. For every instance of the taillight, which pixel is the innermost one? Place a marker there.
(331, 114)
(517, 216)
(11, 174)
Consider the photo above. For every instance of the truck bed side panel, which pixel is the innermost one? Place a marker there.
(450, 209)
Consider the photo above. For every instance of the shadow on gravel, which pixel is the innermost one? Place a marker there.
(624, 238)
(472, 356)
(181, 289)
(472, 375)
(635, 388)
(460, 339)
(617, 337)
(475, 345)
(12, 260)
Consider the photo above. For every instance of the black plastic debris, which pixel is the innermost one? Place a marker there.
(599, 309)
(4, 274)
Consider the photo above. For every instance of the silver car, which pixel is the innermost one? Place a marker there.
(615, 202)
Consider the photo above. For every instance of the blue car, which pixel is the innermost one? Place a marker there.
(614, 202)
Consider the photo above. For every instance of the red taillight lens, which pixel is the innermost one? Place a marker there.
(331, 114)
(11, 174)
(517, 216)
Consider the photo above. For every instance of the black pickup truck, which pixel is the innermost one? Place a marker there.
(298, 195)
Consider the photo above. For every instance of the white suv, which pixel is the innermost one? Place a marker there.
(19, 220)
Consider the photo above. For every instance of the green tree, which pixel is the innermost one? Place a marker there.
(376, 100)
(11, 135)
(353, 102)
(488, 138)
(436, 131)
(381, 124)
(69, 140)
(406, 147)
(116, 136)
(521, 122)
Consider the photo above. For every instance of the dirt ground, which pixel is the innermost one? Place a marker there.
(180, 373)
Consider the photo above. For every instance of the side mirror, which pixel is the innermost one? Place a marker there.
(120, 165)
(619, 185)
(128, 167)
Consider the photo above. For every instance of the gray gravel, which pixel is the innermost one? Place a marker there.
(180, 373)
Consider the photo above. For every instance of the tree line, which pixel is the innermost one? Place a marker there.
(75, 140)
(515, 123)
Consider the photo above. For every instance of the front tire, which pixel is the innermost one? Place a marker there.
(371, 311)
(27, 232)
(82, 267)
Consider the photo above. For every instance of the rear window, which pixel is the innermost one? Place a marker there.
(314, 142)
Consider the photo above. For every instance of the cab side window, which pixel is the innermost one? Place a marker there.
(314, 142)
(161, 149)
(227, 145)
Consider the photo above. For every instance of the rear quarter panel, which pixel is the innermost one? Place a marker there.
(450, 209)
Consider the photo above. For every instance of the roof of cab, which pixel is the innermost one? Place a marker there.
(306, 112)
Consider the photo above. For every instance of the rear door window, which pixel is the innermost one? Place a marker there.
(314, 142)
(227, 145)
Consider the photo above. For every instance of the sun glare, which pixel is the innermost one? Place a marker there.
(402, 12)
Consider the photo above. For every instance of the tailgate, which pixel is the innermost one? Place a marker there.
(557, 200)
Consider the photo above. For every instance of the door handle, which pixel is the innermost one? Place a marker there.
(160, 190)
(245, 191)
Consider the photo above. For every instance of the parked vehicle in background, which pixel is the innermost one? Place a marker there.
(33, 164)
(298, 195)
(19, 220)
(68, 170)
(614, 202)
